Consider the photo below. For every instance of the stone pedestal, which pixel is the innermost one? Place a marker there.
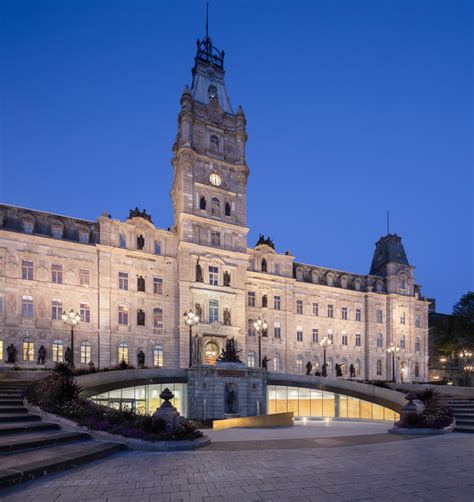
(207, 391)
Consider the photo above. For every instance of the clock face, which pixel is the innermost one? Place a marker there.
(215, 179)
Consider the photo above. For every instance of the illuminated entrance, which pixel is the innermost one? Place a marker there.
(211, 353)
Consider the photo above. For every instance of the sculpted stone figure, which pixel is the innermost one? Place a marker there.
(41, 354)
(230, 398)
(226, 278)
(141, 358)
(11, 354)
(140, 317)
(227, 317)
(265, 362)
(309, 368)
(199, 276)
(264, 301)
(230, 353)
(140, 283)
(140, 242)
(352, 371)
(198, 310)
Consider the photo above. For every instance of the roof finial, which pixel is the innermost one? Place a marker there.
(388, 222)
(207, 19)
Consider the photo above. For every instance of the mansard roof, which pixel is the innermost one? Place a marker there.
(388, 249)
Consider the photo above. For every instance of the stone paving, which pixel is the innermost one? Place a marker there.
(436, 468)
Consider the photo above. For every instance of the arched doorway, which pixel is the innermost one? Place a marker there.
(211, 353)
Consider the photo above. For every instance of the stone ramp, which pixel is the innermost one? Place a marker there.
(31, 447)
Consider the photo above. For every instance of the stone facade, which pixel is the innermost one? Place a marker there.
(132, 281)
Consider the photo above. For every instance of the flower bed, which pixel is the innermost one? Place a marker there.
(58, 393)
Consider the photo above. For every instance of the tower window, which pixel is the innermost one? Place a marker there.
(227, 209)
(214, 143)
(202, 203)
(212, 91)
(264, 265)
(215, 206)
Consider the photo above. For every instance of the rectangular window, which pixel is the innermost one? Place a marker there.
(85, 353)
(215, 238)
(157, 285)
(250, 328)
(299, 333)
(315, 335)
(157, 247)
(27, 307)
(379, 316)
(418, 321)
(344, 313)
(417, 344)
(122, 241)
(344, 338)
(330, 311)
(28, 351)
(157, 319)
(27, 270)
(123, 280)
(277, 329)
(57, 232)
(379, 340)
(276, 302)
(299, 306)
(316, 309)
(330, 335)
(57, 274)
(402, 342)
(251, 299)
(85, 312)
(84, 237)
(123, 315)
(56, 310)
(84, 277)
(28, 227)
(213, 311)
(403, 318)
(358, 340)
(213, 276)
(358, 315)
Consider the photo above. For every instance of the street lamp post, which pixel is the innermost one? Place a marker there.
(466, 354)
(393, 349)
(261, 328)
(468, 368)
(71, 319)
(191, 320)
(325, 342)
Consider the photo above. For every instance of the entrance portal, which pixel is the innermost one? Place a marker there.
(211, 353)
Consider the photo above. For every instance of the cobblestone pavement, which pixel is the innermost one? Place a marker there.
(438, 468)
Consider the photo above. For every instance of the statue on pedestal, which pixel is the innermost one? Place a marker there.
(41, 354)
(141, 358)
(230, 398)
(199, 276)
(227, 317)
(229, 354)
(226, 278)
(11, 354)
(140, 242)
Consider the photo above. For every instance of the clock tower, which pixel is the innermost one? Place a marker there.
(209, 200)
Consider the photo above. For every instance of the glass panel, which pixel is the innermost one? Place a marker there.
(316, 403)
(377, 412)
(353, 410)
(293, 400)
(328, 404)
(280, 397)
(365, 410)
(304, 402)
(342, 406)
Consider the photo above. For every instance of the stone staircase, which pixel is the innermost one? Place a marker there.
(30, 447)
(463, 410)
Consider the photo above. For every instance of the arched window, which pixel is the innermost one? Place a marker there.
(202, 203)
(357, 285)
(329, 280)
(28, 350)
(212, 91)
(379, 367)
(58, 351)
(417, 370)
(227, 209)
(276, 362)
(417, 344)
(403, 283)
(379, 340)
(315, 277)
(122, 353)
(251, 360)
(214, 143)
(157, 318)
(215, 206)
(299, 364)
(357, 367)
(343, 281)
(85, 352)
(264, 265)
(299, 274)
(158, 356)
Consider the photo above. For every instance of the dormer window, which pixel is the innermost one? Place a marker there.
(299, 274)
(212, 91)
(84, 237)
(330, 280)
(57, 232)
(214, 143)
(343, 282)
(28, 227)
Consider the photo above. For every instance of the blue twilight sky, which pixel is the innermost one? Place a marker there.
(353, 108)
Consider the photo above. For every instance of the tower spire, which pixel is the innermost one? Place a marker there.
(207, 19)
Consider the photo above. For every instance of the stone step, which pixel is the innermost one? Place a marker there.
(465, 428)
(461, 416)
(19, 427)
(18, 417)
(26, 466)
(462, 410)
(18, 397)
(38, 439)
(11, 402)
(12, 409)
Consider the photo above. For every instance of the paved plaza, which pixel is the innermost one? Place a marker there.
(333, 462)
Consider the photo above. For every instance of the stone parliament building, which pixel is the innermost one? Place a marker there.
(131, 281)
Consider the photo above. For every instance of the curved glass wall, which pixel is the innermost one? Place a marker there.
(144, 399)
(318, 403)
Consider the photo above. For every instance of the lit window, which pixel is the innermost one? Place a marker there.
(27, 270)
(85, 352)
(85, 312)
(27, 307)
(157, 285)
(344, 313)
(215, 206)
(379, 316)
(315, 335)
(213, 276)
(379, 367)
(250, 328)
(213, 311)
(123, 280)
(57, 232)
(403, 318)
(84, 277)
(277, 329)
(251, 299)
(57, 274)
(277, 302)
(418, 321)
(299, 364)
(123, 315)
(344, 338)
(316, 309)
(251, 360)
(122, 353)
(215, 238)
(122, 241)
(403, 342)
(158, 356)
(417, 344)
(58, 347)
(299, 306)
(299, 333)
(84, 237)
(276, 362)
(28, 350)
(157, 318)
(157, 247)
(379, 340)
(57, 310)
(28, 227)
(358, 340)
(330, 311)
(358, 316)
(1, 350)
